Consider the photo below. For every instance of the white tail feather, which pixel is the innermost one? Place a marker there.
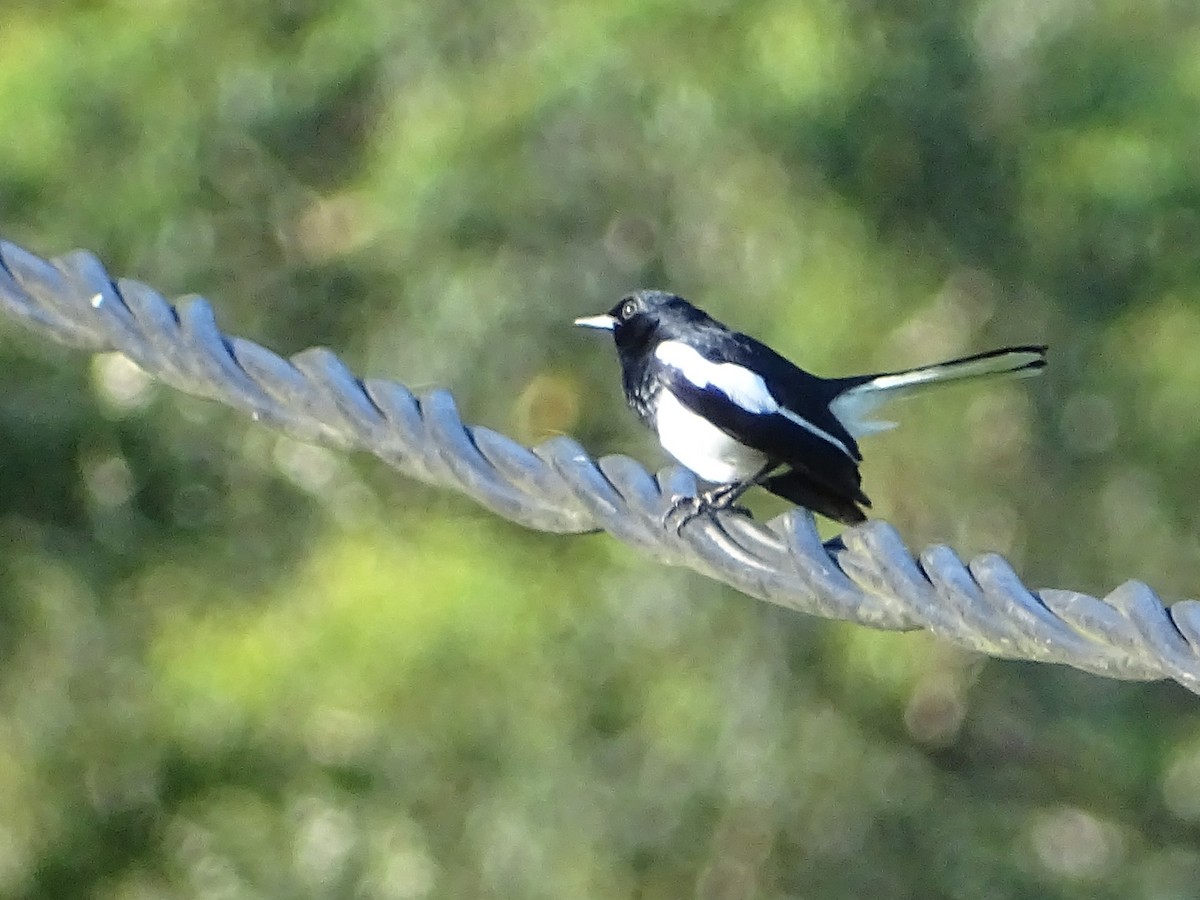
(853, 406)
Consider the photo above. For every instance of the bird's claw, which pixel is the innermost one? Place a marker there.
(685, 508)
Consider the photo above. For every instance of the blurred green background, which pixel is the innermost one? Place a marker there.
(232, 665)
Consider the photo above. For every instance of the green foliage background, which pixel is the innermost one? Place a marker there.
(235, 666)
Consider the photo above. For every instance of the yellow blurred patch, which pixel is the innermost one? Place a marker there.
(548, 406)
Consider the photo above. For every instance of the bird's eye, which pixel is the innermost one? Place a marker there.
(628, 308)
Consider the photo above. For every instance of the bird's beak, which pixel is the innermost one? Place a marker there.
(603, 323)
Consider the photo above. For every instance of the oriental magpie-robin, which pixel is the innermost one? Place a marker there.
(738, 414)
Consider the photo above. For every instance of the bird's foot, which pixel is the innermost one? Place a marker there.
(686, 508)
(682, 510)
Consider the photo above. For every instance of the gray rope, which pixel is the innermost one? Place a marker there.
(556, 486)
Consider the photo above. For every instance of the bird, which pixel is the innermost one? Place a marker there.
(738, 414)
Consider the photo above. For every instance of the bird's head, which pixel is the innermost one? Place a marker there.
(643, 318)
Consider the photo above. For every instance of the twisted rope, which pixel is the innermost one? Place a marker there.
(870, 578)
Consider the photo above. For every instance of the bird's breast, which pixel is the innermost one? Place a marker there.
(701, 446)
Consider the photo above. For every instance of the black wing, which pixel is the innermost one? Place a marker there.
(831, 470)
(801, 392)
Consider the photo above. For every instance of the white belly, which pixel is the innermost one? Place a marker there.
(702, 447)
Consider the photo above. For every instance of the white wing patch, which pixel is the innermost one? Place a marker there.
(819, 432)
(739, 384)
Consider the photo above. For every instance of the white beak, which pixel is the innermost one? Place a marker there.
(603, 323)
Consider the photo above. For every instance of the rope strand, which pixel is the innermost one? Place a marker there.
(869, 576)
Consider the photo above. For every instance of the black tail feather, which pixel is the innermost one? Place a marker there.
(803, 491)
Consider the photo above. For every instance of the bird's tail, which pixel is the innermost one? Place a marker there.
(861, 396)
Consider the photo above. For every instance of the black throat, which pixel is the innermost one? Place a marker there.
(635, 349)
(641, 384)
